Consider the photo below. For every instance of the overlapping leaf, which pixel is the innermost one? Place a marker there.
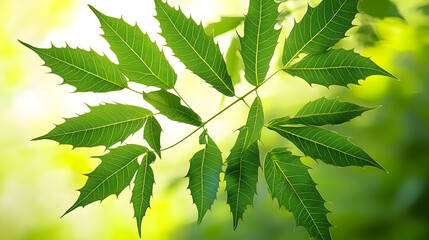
(259, 40)
(254, 123)
(327, 111)
(194, 47)
(289, 181)
(152, 134)
(224, 25)
(241, 176)
(139, 58)
(321, 28)
(104, 125)
(169, 105)
(143, 186)
(326, 145)
(112, 176)
(336, 67)
(204, 170)
(85, 70)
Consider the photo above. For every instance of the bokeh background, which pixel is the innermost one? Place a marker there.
(38, 179)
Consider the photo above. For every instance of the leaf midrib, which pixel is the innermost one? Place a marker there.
(326, 114)
(336, 67)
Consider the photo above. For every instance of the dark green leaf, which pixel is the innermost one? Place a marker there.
(112, 176)
(194, 47)
(152, 134)
(139, 58)
(241, 176)
(224, 25)
(104, 125)
(143, 187)
(327, 111)
(254, 123)
(85, 70)
(260, 39)
(204, 170)
(336, 67)
(169, 105)
(321, 28)
(289, 181)
(379, 8)
(326, 145)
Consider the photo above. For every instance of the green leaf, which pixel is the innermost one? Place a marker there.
(104, 125)
(143, 187)
(289, 181)
(169, 105)
(234, 61)
(326, 145)
(194, 47)
(321, 28)
(254, 123)
(241, 176)
(260, 39)
(85, 70)
(380, 8)
(336, 67)
(112, 176)
(139, 58)
(152, 134)
(224, 25)
(204, 170)
(327, 111)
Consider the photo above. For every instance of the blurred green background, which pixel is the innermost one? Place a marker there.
(38, 179)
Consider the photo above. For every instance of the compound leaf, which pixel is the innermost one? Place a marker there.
(336, 67)
(85, 70)
(241, 175)
(326, 145)
(104, 125)
(204, 170)
(139, 58)
(112, 176)
(259, 40)
(289, 181)
(169, 105)
(142, 191)
(194, 47)
(152, 134)
(321, 28)
(327, 111)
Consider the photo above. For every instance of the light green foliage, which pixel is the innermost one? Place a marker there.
(327, 111)
(85, 70)
(143, 187)
(259, 40)
(290, 183)
(112, 176)
(104, 125)
(194, 47)
(169, 105)
(204, 170)
(326, 145)
(336, 67)
(152, 134)
(139, 58)
(321, 28)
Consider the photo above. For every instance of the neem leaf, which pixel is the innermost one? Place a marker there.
(320, 28)
(112, 176)
(142, 191)
(104, 125)
(260, 39)
(152, 134)
(85, 70)
(224, 25)
(255, 122)
(194, 47)
(289, 181)
(169, 105)
(336, 67)
(139, 58)
(328, 146)
(327, 111)
(204, 170)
